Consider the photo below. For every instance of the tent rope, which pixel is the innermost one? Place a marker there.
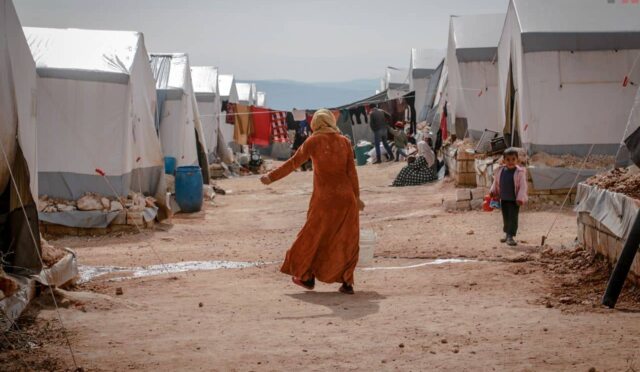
(566, 198)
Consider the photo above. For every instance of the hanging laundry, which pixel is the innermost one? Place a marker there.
(243, 126)
(261, 135)
(309, 117)
(443, 122)
(344, 124)
(355, 116)
(230, 108)
(367, 109)
(291, 123)
(399, 106)
(279, 127)
(299, 115)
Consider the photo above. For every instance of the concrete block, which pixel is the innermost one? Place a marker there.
(135, 219)
(581, 228)
(121, 218)
(463, 205)
(476, 204)
(479, 193)
(449, 205)
(588, 238)
(463, 194)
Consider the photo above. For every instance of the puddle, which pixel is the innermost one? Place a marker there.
(88, 273)
(439, 261)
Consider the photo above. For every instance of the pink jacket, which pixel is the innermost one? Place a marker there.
(520, 180)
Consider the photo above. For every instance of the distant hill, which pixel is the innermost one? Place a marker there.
(288, 94)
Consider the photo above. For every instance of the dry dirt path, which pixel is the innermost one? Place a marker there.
(485, 314)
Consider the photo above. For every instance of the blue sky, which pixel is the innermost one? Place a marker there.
(304, 40)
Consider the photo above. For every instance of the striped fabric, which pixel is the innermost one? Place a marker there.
(279, 127)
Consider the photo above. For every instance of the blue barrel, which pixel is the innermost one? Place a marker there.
(170, 165)
(189, 188)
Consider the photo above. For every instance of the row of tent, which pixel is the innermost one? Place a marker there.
(92, 111)
(554, 76)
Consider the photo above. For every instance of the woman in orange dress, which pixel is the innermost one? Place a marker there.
(327, 247)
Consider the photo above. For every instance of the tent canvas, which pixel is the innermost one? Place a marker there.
(205, 86)
(424, 63)
(245, 93)
(473, 71)
(18, 138)
(227, 86)
(396, 82)
(96, 102)
(261, 99)
(181, 132)
(559, 86)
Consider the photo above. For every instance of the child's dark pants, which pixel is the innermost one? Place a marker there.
(510, 211)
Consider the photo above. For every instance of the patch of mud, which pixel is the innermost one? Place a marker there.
(89, 273)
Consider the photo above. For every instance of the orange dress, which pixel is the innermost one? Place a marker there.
(327, 247)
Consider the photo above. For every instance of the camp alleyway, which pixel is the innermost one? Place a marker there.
(500, 311)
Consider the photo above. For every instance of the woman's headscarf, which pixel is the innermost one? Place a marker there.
(425, 151)
(324, 122)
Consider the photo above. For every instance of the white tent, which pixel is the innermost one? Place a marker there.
(261, 100)
(205, 85)
(396, 82)
(18, 141)
(181, 132)
(227, 86)
(561, 71)
(245, 93)
(254, 93)
(423, 64)
(473, 72)
(96, 102)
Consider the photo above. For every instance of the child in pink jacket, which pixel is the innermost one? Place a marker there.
(510, 186)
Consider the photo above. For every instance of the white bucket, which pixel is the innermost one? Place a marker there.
(367, 246)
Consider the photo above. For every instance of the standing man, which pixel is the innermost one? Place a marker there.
(378, 124)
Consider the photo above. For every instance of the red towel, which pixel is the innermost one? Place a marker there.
(261, 126)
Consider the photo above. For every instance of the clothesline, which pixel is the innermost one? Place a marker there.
(271, 111)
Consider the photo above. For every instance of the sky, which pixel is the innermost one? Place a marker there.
(302, 40)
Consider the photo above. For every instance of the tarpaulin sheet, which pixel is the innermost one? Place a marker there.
(614, 211)
(62, 272)
(549, 178)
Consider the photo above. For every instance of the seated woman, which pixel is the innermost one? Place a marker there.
(420, 170)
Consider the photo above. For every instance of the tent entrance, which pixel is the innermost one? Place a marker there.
(512, 118)
(20, 254)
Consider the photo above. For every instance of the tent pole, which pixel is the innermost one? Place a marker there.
(620, 272)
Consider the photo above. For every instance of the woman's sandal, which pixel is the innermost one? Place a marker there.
(347, 289)
(309, 284)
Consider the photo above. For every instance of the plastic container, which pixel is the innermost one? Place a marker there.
(367, 246)
(170, 165)
(486, 204)
(362, 154)
(189, 190)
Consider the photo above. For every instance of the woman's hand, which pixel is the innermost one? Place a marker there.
(361, 205)
(265, 180)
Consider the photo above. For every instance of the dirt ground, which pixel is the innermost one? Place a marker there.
(506, 309)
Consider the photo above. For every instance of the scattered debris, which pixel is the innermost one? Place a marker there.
(620, 180)
(571, 161)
